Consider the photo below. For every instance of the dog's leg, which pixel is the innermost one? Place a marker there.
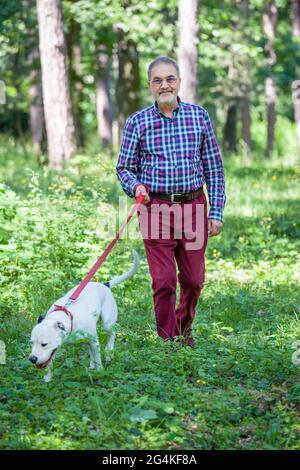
(95, 354)
(48, 376)
(92, 361)
(110, 346)
(109, 316)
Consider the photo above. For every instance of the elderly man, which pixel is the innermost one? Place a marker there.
(168, 152)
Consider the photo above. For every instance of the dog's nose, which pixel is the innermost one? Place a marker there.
(33, 359)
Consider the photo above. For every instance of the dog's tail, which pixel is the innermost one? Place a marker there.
(129, 273)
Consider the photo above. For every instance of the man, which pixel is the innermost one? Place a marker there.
(168, 152)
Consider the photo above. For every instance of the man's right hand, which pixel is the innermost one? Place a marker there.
(140, 189)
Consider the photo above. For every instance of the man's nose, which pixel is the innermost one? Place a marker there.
(164, 84)
(33, 359)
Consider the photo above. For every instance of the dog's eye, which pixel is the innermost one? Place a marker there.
(44, 344)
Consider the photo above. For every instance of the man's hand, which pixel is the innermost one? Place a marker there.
(214, 227)
(142, 190)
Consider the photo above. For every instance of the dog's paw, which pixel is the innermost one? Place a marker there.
(47, 378)
(108, 359)
(92, 365)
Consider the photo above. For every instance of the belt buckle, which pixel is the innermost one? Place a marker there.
(175, 194)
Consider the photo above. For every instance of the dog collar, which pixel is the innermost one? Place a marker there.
(64, 309)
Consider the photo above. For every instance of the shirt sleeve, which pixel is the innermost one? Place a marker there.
(128, 161)
(213, 172)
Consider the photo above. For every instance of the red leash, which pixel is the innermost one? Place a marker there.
(104, 255)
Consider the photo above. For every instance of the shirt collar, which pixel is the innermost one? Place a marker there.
(175, 111)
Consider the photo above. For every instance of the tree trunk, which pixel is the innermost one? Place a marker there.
(128, 83)
(188, 23)
(246, 124)
(270, 93)
(295, 17)
(297, 114)
(269, 26)
(103, 101)
(75, 75)
(229, 131)
(36, 113)
(245, 102)
(57, 102)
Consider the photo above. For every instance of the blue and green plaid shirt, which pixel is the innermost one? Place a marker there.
(172, 155)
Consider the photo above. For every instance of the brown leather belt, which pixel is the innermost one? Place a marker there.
(178, 197)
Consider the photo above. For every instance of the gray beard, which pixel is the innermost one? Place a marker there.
(170, 100)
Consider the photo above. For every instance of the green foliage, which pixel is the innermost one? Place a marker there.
(238, 389)
(228, 39)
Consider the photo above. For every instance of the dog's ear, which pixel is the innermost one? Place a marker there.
(40, 319)
(60, 325)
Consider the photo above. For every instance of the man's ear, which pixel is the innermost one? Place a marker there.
(60, 325)
(40, 319)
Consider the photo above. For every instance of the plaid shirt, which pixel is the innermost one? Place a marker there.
(172, 155)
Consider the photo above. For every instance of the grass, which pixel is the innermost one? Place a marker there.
(239, 388)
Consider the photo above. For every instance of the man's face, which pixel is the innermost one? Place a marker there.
(164, 84)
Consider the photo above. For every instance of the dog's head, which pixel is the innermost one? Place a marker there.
(46, 337)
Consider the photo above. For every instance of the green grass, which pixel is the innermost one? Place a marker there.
(239, 388)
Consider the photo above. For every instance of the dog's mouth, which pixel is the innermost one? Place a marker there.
(44, 364)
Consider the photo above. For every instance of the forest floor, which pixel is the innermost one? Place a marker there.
(238, 389)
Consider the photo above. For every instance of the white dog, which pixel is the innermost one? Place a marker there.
(80, 317)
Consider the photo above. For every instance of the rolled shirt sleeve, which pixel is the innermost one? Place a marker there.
(213, 172)
(128, 161)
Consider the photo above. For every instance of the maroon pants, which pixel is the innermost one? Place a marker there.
(179, 237)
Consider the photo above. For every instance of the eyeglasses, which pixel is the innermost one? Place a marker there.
(158, 81)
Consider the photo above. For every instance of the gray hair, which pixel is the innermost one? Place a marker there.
(163, 60)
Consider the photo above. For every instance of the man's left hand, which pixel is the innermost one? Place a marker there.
(214, 227)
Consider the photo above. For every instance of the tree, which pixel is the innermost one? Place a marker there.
(269, 26)
(188, 24)
(36, 113)
(229, 131)
(103, 100)
(245, 99)
(235, 88)
(57, 102)
(295, 19)
(128, 82)
(75, 77)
